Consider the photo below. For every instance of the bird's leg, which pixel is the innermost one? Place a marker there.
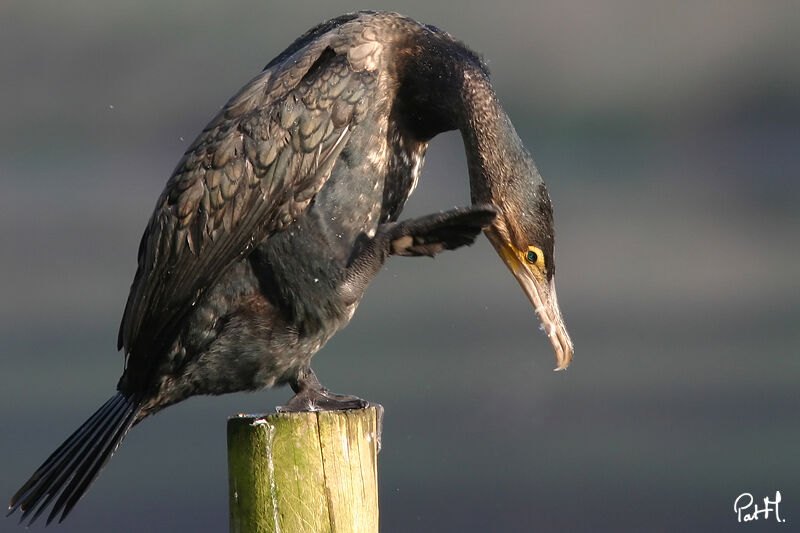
(431, 234)
(310, 395)
(427, 235)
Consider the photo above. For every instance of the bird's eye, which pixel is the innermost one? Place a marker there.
(534, 256)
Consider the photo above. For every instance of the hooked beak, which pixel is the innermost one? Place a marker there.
(542, 295)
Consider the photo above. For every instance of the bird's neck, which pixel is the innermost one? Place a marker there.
(444, 87)
(496, 156)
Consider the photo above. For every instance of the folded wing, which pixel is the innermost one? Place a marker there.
(249, 174)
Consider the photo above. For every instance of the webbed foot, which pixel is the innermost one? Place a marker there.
(310, 395)
(321, 400)
(448, 230)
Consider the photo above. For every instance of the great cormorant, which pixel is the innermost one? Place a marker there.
(283, 210)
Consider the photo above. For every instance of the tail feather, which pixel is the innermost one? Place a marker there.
(90, 469)
(68, 447)
(77, 462)
(55, 472)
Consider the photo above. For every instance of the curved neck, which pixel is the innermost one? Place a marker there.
(496, 156)
(444, 86)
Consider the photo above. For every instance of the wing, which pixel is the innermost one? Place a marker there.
(249, 174)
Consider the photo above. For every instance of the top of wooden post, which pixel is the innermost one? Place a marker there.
(312, 472)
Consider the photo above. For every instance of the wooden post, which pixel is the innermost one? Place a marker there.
(310, 472)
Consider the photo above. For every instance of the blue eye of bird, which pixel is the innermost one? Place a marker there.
(531, 256)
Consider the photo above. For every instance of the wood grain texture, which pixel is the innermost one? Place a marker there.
(312, 472)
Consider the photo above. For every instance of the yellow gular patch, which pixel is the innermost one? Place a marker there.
(511, 257)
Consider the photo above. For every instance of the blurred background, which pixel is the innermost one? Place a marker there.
(669, 136)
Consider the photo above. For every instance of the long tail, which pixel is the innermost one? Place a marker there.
(69, 470)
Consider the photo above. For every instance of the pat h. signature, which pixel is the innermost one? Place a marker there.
(747, 511)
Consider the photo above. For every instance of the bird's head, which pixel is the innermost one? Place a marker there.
(523, 236)
(502, 173)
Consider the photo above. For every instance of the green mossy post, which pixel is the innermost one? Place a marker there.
(311, 472)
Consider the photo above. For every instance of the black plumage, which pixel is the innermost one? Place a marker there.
(283, 210)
